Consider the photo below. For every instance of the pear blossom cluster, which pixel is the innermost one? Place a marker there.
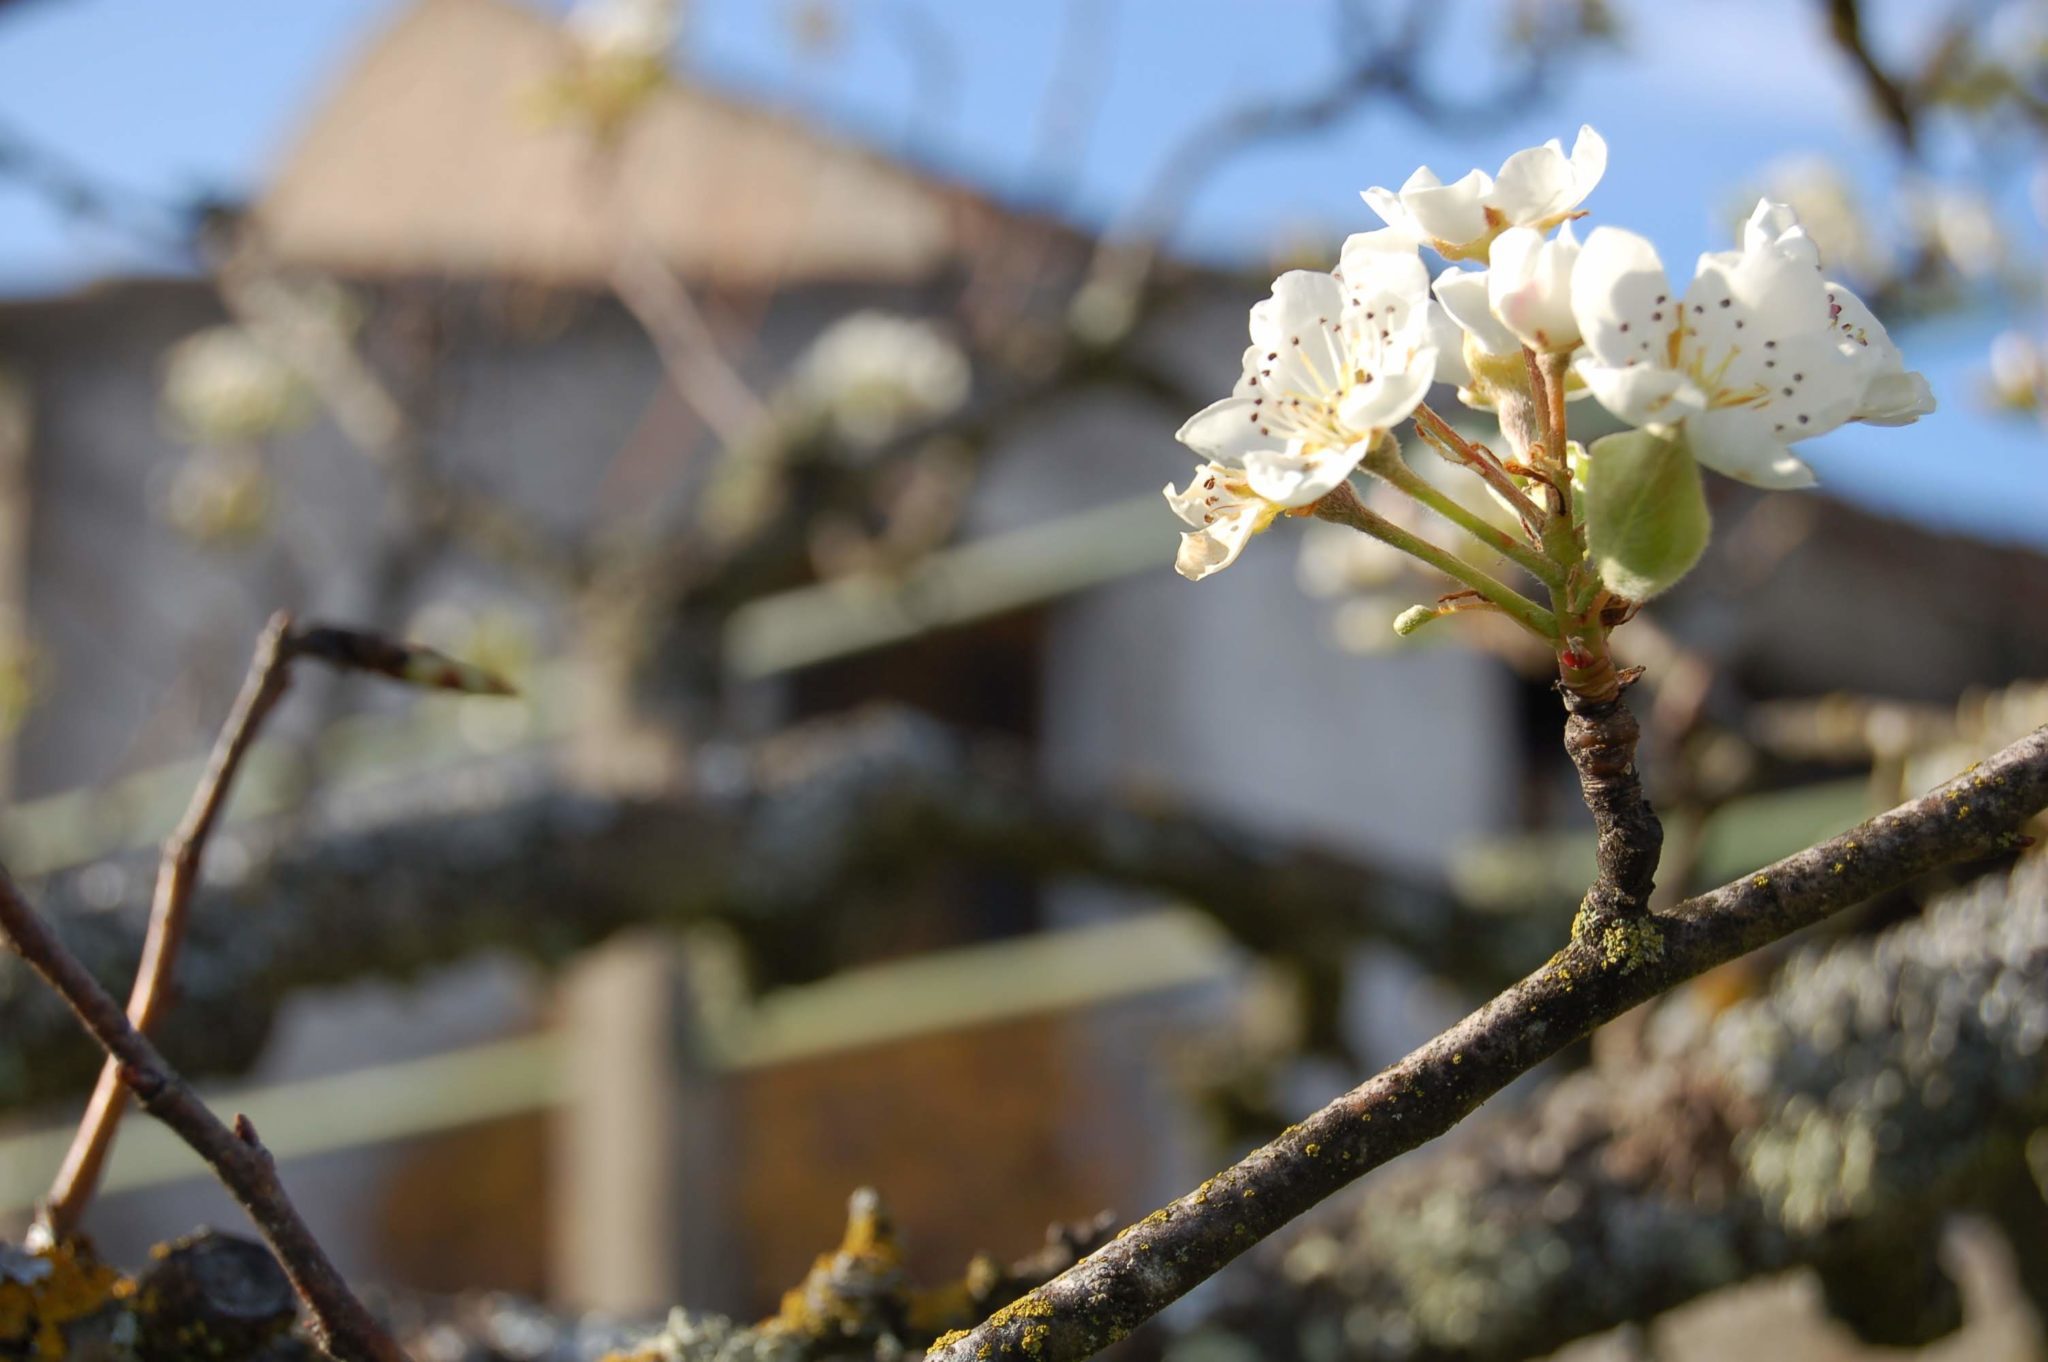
(1756, 352)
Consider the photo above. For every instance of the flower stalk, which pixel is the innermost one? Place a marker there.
(1385, 461)
(1342, 507)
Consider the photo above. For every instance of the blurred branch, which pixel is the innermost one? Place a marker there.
(691, 356)
(1592, 981)
(786, 846)
(1386, 65)
(87, 196)
(1845, 26)
(1833, 1122)
(1620, 1193)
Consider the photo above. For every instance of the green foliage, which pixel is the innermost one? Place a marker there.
(1646, 513)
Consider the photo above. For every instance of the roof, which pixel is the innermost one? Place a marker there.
(432, 157)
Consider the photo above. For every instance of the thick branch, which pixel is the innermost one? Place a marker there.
(1600, 736)
(780, 847)
(1594, 980)
(1830, 1123)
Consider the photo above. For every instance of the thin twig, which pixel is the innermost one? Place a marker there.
(1596, 978)
(177, 872)
(1479, 459)
(178, 868)
(339, 1322)
(1342, 507)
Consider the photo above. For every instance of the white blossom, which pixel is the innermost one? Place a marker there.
(1465, 295)
(873, 374)
(1960, 225)
(2016, 371)
(1747, 361)
(1332, 364)
(635, 31)
(1220, 503)
(1892, 395)
(1529, 286)
(1537, 187)
(224, 385)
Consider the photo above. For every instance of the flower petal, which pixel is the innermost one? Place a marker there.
(1384, 262)
(1892, 395)
(1447, 338)
(1225, 431)
(1738, 441)
(1528, 284)
(1539, 186)
(1301, 473)
(1463, 295)
(1393, 390)
(1622, 299)
(1217, 502)
(1642, 394)
(1454, 213)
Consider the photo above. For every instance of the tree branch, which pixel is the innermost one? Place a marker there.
(1600, 736)
(178, 867)
(787, 848)
(339, 1321)
(177, 871)
(1593, 980)
(1832, 1122)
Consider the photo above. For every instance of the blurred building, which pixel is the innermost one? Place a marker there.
(481, 243)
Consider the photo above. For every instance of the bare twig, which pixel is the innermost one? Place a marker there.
(177, 872)
(340, 1322)
(1596, 978)
(178, 868)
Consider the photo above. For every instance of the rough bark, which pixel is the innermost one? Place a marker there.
(1831, 1123)
(1600, 737)
(1598, 977)
(780, 842)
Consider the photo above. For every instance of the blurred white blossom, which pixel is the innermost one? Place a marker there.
(2016, 371)
(633, 31)
(1832, 212)
(224, 386)
(1957, 224)
(874, 374)
(220, 495)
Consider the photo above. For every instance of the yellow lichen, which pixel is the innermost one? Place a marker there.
(76, 1285)
(1629, 945)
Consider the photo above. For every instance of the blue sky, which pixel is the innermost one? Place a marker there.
(201, 96)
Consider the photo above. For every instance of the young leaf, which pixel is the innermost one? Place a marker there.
(1646, 514)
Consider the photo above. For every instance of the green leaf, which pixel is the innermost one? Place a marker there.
(1646, 513)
